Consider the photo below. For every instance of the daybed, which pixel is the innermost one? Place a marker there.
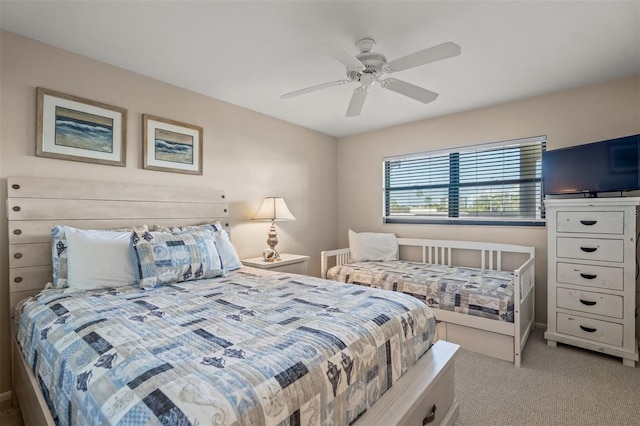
(481, 308)
(245, 347)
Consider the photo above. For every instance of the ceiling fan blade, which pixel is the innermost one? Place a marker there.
(428, 55)
(314, 88)
(357, 102)
(341, 55)
(410, 90)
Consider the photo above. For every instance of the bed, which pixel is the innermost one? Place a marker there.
(269, 359)
(478, 305)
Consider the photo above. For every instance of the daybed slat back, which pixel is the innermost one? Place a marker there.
(37, 204)
(441, 251)
(343, 258)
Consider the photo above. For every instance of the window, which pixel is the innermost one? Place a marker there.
(498, 183)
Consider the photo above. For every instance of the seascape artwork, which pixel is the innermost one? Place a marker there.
(174, 147)
(81, 130)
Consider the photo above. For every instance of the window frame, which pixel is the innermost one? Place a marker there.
(454, 189)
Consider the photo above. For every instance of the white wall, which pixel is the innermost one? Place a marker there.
(248, 154)
(573, 117)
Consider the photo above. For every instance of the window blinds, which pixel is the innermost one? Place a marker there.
(499, 182)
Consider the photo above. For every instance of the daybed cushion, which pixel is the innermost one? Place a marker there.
(254, 347)
(161, 258)
(471, 291)
(368, 246)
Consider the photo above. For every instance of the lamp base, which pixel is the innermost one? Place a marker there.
(272, 242)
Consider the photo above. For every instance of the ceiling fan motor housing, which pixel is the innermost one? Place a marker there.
(373, 61)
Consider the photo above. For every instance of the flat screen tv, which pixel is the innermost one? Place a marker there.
(607, 166)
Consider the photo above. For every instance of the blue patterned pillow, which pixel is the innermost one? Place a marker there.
(228, 254)
(59, 257)
(161, 258)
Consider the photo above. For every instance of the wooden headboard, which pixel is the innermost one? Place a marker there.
(36, 204)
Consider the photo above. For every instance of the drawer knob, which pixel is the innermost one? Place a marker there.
(588, 249)
(587, 302)
(17, 255)
(15, 186)
(17, 280)
(588, 329)
(588, 222)
(430, 417)
(16, 208)
(17, 231)
(588, 276)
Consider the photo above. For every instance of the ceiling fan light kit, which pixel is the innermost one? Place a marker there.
(368, 67)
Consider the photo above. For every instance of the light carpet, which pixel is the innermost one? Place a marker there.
(554, 386)
(9, 416)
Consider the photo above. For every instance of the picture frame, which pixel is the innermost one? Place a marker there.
(171, 146)
(77, 129)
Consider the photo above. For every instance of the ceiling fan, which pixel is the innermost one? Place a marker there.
(368, 67)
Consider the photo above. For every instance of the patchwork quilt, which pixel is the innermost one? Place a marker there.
(252, 348)
(471, 291)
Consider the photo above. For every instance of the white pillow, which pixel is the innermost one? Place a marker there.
(228, 253)
(98, 259)
(372, 246)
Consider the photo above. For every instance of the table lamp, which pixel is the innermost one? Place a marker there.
(273, 209)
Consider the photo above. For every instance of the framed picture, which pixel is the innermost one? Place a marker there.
(171, 146)
(72, 128)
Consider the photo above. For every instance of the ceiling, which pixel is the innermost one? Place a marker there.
(248, 53)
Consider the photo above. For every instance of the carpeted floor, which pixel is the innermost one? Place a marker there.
(555, 386)
(9, 416)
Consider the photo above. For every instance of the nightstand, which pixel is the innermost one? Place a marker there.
(292, 263)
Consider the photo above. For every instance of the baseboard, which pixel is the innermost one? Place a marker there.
(541, 325)
(5, 396)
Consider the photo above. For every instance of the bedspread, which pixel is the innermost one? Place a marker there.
(254, 347)
(484, 293)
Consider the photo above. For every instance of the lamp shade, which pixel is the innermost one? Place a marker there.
(275, 209)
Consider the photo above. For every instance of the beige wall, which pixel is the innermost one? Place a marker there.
(246, 153)
(567, 118)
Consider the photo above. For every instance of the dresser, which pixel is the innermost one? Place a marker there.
(591, 290)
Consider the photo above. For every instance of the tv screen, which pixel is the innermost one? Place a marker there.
(607, 166)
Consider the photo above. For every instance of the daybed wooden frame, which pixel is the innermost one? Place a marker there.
(36, 204)
(499, 339)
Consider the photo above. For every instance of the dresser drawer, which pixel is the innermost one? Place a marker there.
(603, 222)
(609, 250)
(590, 329)
(609, 305)
(590, 275)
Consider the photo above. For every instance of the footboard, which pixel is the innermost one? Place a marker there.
(477, 332)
